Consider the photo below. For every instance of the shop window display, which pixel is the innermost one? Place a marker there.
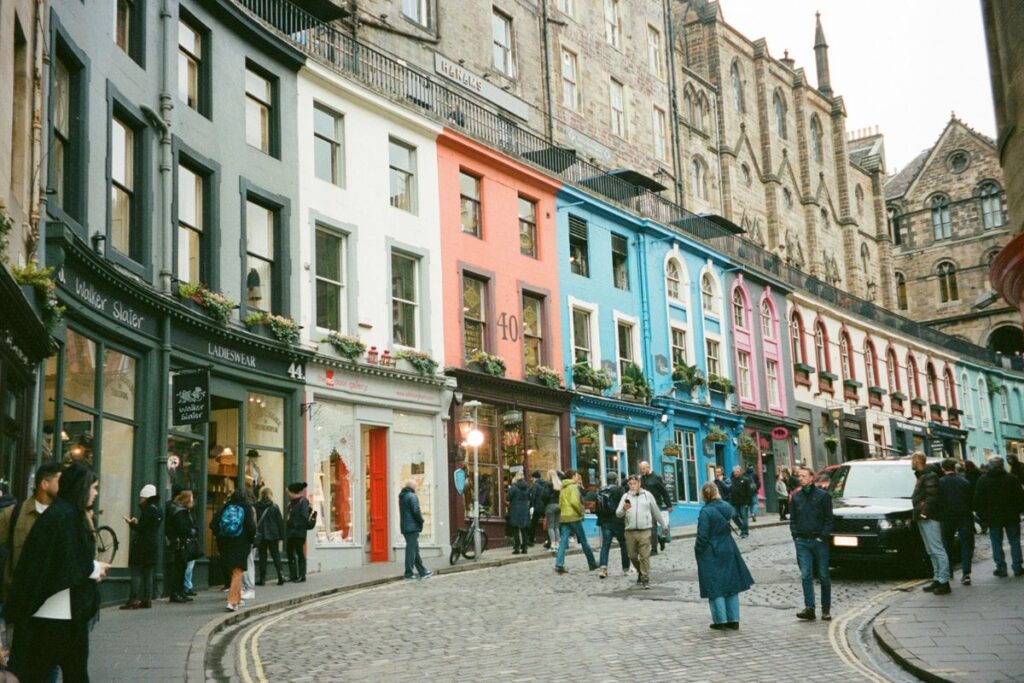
(588, 463)
(332, 493)
(264, 444)
(412, 443)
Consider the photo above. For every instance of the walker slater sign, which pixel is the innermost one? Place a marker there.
(106, 300)
(190, 395)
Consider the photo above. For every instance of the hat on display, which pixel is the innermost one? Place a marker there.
(536, 474)
(148, 491)
(297, 487)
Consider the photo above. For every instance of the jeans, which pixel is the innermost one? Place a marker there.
(725, 608)
(811, 555)
(553, 513)
(931, 534)
(576, 529)
(520, 538)
(609, 532)
(249, 575)
(783, 509)
(742, 513)
(142, 583)
(296, 558)
(995, 534)
(271, 547)
(412, 555)
(965, 527)
(188, 574)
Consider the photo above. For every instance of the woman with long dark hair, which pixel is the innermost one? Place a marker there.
(54, 599)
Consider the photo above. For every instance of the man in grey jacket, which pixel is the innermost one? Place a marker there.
(641, 512)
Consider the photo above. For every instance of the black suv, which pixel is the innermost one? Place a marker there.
(873, 515)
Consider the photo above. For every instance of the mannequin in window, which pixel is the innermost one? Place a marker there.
(253, 475)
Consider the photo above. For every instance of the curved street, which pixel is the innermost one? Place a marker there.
(526, 621)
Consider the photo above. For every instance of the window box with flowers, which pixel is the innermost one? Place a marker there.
(634, 386)
(420, 362)
(716, 435)
(722, 385)
(831, 443)
(590, 380)
(545, 376)
(748, 445)
(687, 377)
(586, 435)
(347, 346)
(899, 396)
(671, 449)
(875, 395)
(481, 361)
(38, 286)
(877, 391)
(213, 304)
(282, 329)
(918, 402)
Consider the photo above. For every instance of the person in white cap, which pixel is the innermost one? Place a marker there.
(143, 550)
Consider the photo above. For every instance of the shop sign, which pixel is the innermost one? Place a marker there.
(459, 477)
(479, 85)
(619, 442)
(191, 397)
(225, 353)
(912, 428)
(99, 297)
(780, 433)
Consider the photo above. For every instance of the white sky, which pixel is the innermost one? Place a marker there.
(902, 65)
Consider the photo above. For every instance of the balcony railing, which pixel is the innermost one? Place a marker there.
(391, 77)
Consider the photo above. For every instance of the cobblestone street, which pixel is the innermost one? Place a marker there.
(525, 620)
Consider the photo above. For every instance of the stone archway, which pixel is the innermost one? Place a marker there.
(1007, 340)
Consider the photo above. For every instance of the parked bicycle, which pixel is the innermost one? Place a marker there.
(106, 544)
(463, 544)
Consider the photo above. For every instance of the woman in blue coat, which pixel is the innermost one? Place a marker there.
(519, 513)
(721, 571)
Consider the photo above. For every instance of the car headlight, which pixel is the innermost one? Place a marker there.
(893, 523)
(885, 524)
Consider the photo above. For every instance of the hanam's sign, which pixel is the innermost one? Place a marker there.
(190, 396)
(481, 86)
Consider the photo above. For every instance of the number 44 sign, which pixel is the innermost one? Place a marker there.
(297, 371)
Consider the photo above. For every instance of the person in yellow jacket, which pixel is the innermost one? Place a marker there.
(570, 503)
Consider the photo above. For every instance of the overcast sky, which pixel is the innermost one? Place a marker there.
(902, 65)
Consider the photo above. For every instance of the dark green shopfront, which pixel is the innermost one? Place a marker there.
(107, 400)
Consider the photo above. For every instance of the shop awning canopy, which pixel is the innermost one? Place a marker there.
(708, 225)
(622, 184)
(556, 159)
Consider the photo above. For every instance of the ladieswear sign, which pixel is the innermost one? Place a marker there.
(190, 393)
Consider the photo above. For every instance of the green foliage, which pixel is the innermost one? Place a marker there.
(41, 279)
(489, 365)
(583, 374)
(688, 376)
(671, 448)
(549, 377)
(634, 383)
(424, 364)
(348, 346)
(748, 445)
(282, 329)
(587, 432)
(217, 305)
(720, 383)
(716, 434)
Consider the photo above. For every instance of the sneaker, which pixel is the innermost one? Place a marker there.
(639, 580)
(718, 627)
(427, 575)
(561, 570)
(1018, 572)
(661, 542)
(248, 595)
(826, 614)
(943, 589)
(807, 614)
(930, 588)
(408, 578)
(646, 585)
(732, 625)
(231, 608)
(626, 572)
(603, 574)
(965, 580)
(999, 572)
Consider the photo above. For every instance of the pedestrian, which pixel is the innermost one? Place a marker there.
(739, 497)
(54, 598)
(928, 514)
(269, 532)
(724, 489)
(782, 492)
(612, 526)
(182, 539)
(145, 538)
(411, 524)
(16, 527)
(570, 502)
(519, 513)
(552, 510)
(810, 524)
(652, 482)
(235, 530)
(640, 512)
(1015, 467)
(999, 501)
(973, 474)
(958, 517)
(721, 572)
(296, 527)
(536, 506)
(755, 486)
(249, 575)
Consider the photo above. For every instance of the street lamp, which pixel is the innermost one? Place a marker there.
(474, 438)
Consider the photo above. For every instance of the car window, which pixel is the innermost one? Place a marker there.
(873, 481)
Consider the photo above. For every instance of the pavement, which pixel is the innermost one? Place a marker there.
(169, 642)
(973, 635)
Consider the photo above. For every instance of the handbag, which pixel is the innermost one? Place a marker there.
(190, 549)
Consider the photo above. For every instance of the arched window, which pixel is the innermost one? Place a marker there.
(703, 112)
(739, 308)
(991, 206)
(699, 178)
(673, 280)
(796, 335)
(846, 357)
(870, 367)
(688, 106)
(949, 389)
(816, 138)
(901, 291)
(948, 290)
(779, 105)
(984, 405)
(892, 371)
(865, 259)
(965, 400)
(942, 227)
(858, 195)
(737, 86)
(708, 294)
(821, 348)
(895, 226)
(1017, 404)
(767, 319)
(1004, 404)
(933, 383)
(913, 388)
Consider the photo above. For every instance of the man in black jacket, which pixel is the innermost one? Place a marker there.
(650, 481)
(958, 518)
(538, 498)
(740, 493)
(928, 514)
(295, 530)
(612, 526)
(810, 523)
(411, 525)
(999, 500)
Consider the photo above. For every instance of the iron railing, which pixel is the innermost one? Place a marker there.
(392, 77)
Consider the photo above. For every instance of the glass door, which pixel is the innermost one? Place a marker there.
(225, 434)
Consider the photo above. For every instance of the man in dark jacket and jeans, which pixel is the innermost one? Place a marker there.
(295, 529)
(958, 517)
(998, 498)
(612, 526)
(650, 481)
(411, 523)
(810, 524)
(928, 514)
(740, 493)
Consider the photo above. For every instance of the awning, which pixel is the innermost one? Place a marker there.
(708, 225)
(556, 159)
(622, 185)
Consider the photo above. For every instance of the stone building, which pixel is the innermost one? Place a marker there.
(948, 219)
(752, 139)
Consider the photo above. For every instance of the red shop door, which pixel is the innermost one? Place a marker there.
(378, 495)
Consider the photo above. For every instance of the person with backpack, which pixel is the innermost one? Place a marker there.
(235, 531)
(755, 486)
(612, 526)
(721, 572)
(640, 512)
(519, 513)
(300, 520)
(145, 539)
(269, 532)
(739, 498)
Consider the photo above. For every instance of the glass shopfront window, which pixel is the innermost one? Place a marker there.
(333, 491)
(90, 410)
(184, 462)
(264, 444)
(588, 459)
(412, 441)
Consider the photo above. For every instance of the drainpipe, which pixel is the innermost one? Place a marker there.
(549, 123)
(673, 104)
(40, 61)
(645, 299)
(163, 124)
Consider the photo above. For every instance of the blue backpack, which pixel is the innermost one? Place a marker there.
(232, 519)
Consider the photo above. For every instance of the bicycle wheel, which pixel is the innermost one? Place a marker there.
(470, 552)
(106, 544)
(456, 548)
